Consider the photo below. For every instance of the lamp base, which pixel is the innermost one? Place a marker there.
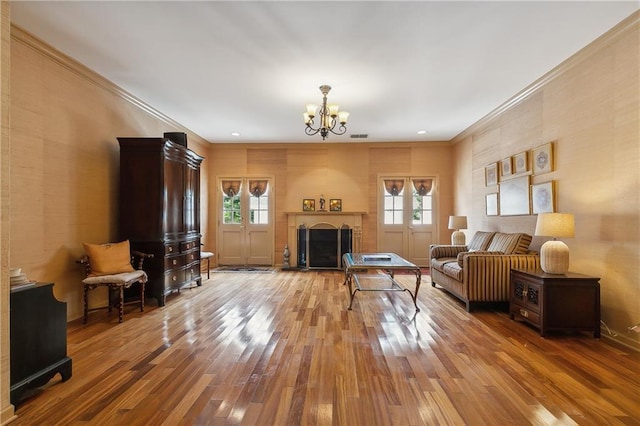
(458, 238)
(554, 257)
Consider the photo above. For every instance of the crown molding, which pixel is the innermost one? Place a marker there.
(607, 39)
(21, 36)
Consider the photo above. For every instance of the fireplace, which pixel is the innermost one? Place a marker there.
(345, 226)
(322, 245)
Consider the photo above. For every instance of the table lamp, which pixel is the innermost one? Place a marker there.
(554, 254)
(457, 223)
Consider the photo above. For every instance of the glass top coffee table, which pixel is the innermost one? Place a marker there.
(357, 268)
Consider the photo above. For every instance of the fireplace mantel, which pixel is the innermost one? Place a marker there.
(309, 219)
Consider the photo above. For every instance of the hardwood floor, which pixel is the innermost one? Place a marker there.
(281, 349)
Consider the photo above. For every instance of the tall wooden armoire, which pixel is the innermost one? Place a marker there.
(160, 211)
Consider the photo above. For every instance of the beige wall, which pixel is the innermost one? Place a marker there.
(64, 162)
(346, 171)
(589, 108)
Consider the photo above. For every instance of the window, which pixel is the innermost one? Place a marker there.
(422, 202)
(231, 213)
(393, 203)
(259, 202)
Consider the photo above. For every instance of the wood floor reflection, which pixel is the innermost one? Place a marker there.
(281, 349)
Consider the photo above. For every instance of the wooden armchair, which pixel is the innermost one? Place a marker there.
(111, 265)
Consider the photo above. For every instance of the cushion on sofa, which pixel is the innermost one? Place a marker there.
(480, 241)
(517, 243)
(464, 254)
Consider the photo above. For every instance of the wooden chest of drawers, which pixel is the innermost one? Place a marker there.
(555, 302)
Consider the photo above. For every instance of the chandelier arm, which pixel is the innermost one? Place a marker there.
(310, 131)
(341, 130)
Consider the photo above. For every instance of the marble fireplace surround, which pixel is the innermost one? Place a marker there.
(311, 219)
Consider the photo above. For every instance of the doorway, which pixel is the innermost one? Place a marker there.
(407, 219)
(245, 224)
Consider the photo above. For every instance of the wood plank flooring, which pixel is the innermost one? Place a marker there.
(281, 349)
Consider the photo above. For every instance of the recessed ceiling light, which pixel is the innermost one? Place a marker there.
(422, 132)
(235, 134)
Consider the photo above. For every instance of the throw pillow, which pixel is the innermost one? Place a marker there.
(516, 243)
(109, 259)
(480, 241)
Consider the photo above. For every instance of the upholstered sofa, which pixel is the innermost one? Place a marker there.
(480, 271)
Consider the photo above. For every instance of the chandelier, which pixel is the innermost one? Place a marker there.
(329, 116)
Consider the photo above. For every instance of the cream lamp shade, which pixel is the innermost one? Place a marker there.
(554, 255)
(457, 223)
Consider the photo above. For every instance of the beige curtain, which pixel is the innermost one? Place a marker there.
(231, 187)
(393, 186)
(258, 188)
(423, 186)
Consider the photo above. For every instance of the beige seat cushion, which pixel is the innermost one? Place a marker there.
(124, 278)
(109, 259)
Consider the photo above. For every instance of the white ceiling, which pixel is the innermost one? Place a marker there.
(250, 67)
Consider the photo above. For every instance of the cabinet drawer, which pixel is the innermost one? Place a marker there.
(173, 279)
(170, 249)
(526, 314)
(174, 262)
(190, 245)
(192, 256)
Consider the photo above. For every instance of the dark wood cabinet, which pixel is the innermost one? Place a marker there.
(38, 339)
(555, 302)
(160, 211)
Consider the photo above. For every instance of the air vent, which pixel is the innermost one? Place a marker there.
(359, 136)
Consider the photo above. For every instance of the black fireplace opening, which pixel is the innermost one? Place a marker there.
(322, 246)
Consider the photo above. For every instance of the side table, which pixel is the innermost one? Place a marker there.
(555, 302)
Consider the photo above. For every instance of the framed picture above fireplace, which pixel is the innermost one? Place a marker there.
(308, 205)
(335, 205)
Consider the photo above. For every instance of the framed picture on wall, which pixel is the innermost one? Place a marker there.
(543, 159)
(335, 205)
(491, 174)
(505, 167)
(308, 205)
(514, 196)
(542, 197)
(492, 204)
(520, 163)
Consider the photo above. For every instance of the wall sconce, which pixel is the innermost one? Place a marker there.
(554, 254)
(458, 223)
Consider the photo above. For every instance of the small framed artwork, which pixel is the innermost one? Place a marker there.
(520, 163)
(335, 205)
(308, 205)
(492, 204)
(542, 197)
(514, 196)
(491, 174)
(543, 159)
(505, 167)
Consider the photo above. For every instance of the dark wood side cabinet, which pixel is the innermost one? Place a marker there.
(555, 302)
(160, 211)
(38, 339)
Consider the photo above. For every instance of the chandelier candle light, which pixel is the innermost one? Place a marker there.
(457, 223)
(329, 116)
(554, 255)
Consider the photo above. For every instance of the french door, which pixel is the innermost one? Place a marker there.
(245, 224)
(407, 217)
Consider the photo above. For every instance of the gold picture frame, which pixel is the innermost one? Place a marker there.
(520, 163)
(491, 174)
(543, 197)
(335, 205)
(542, 159)
(506, 167)
(514, 197)
(492, 204)
(308, 205)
